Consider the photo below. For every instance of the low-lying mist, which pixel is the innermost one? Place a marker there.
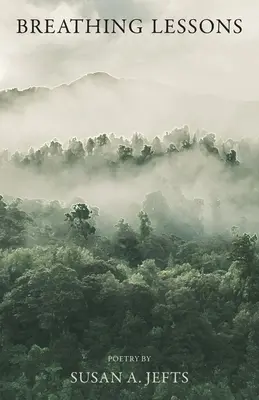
(185, 178)
(99, 103)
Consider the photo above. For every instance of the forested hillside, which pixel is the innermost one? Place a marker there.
(115, 246)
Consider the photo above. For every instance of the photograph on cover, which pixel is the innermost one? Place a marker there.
(129, 200)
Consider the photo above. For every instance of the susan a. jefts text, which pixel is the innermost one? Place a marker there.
(112, 377)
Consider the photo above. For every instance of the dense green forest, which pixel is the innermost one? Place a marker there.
(170, 274)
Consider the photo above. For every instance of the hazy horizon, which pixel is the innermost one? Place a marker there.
(223, 65)
(184, 67)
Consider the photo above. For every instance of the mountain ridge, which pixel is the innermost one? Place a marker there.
(95, 76)
(102, 102)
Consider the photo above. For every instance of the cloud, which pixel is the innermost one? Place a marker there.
(217, 64)
(222, 65)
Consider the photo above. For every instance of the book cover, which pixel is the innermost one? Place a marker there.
(129, 195)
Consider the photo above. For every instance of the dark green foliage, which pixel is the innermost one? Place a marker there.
(231, 158)
(126, 243)
(125, 153)
(90, 146)
(172, 149)
(13, 223)
(77, 286)
(145, 225)
(78, 220)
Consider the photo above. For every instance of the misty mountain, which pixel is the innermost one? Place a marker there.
(99, 102)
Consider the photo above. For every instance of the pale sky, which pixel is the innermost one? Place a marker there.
(225, 65)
